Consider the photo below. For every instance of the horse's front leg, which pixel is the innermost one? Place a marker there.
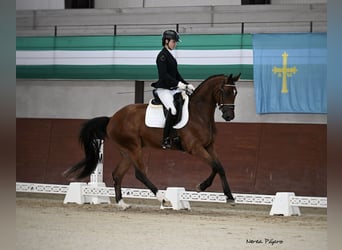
(226, 189)
(118, 175)
(209, 156)
(220, 170)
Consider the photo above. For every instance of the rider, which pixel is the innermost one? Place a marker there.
(170, 81)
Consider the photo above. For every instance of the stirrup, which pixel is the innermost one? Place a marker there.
(166, 143)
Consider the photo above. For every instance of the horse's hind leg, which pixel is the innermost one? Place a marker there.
(118, 175)
(207, 182)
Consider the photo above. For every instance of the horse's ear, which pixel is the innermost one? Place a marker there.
(227, 79)
(237, 78)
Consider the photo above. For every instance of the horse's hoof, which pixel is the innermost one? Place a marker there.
(166, 204)
(231, 201)
(123, 206)
(160, 196)
(198, 188)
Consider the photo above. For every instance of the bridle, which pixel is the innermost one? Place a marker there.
(221, 103)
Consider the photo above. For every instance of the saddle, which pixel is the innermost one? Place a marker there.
(156, 112)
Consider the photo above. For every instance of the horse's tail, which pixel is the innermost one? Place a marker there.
(91, 132)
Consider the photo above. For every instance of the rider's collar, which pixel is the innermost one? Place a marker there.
(170, 50)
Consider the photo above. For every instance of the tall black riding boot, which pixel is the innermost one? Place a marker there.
(167, 130)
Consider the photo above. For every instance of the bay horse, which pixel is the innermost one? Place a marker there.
(127, 129)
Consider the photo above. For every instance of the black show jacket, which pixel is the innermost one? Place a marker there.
(167, 71)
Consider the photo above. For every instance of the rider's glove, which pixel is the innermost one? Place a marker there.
(190, 88)
(181, 85)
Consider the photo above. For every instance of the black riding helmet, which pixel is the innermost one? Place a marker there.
(170, 34)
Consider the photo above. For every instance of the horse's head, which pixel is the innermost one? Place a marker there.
(226, 97)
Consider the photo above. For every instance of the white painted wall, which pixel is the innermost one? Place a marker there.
(287, 2)
(162, 3)
(39, 4)
(103, 4)
(108, 4)
(88, 99)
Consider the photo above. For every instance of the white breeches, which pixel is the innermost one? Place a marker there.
(166, 97)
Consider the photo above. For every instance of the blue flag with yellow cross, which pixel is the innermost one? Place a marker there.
(290, 73)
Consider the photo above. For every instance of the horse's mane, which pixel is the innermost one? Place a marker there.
(203, 83)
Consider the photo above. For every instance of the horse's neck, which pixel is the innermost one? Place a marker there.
(203, 103)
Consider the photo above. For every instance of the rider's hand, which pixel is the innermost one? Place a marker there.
(190, 87)
(181, 85)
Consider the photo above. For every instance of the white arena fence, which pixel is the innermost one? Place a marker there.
(289, 207)
(96, 192)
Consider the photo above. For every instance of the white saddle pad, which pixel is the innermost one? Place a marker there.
(155, 118)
